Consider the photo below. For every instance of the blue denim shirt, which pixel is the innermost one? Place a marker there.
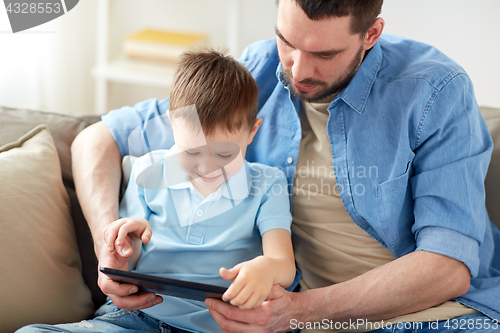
(410, 152)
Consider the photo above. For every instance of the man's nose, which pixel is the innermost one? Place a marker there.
(302, 67)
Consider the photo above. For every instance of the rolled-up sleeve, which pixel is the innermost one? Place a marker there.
(451, 160)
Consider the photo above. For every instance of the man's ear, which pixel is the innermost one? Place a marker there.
(254, 130)
(373, 34)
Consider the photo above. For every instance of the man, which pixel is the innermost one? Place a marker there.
(386, 153)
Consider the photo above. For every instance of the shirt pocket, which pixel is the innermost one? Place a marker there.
(391, 195)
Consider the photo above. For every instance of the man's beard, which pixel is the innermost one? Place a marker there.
(327, 90)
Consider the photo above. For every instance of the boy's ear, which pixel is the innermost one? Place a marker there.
(254, 130)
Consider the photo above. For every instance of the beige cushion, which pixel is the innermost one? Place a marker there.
(14, 123)
(40, 280)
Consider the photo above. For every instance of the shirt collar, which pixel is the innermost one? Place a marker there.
(236, 187)
(356, 93)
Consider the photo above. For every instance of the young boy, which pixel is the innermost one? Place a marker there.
(215, 210)
(199, 207)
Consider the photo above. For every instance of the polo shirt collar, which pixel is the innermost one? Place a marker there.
(356, 93)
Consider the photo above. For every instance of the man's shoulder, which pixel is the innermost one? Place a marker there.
(261, 58)
(407, 59)
(263, 49)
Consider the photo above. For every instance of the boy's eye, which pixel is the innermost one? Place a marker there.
(191, 153)
(226, 156)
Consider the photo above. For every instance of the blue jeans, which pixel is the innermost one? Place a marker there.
(473, 323)
(109, 319)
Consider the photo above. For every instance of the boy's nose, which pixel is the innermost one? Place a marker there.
(206, 166)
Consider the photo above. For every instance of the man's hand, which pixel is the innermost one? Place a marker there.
(273, 315)
(124, 296)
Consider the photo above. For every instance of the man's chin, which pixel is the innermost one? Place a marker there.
(311, 96)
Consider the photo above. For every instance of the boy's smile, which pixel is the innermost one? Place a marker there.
(209, 161)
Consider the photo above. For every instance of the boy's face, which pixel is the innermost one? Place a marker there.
(205, 159)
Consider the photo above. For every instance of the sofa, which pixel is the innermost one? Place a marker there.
(47, 262)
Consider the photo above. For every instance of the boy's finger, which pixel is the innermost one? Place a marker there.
(146, 234)
(110, 236)
(242, 298)
(233, 290)
(111, 232)
(254, 301)
(227, 274)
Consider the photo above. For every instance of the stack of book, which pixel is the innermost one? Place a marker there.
(161, 45)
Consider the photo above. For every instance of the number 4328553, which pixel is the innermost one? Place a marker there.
(32, 8)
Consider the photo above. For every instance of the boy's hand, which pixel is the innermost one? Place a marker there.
(118, 236)
(115, 234)
(252, 284)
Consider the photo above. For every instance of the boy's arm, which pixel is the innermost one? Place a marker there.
(254, 279)
(277, 245)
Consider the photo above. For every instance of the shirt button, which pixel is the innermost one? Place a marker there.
(289, 160)
(199, 212)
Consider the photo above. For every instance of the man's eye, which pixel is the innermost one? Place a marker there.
(326, 57)
(285, 43)
(192, 153)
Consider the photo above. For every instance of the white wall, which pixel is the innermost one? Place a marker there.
(466, 30)
(49, 66)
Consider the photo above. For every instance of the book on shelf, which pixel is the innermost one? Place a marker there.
(161, 45)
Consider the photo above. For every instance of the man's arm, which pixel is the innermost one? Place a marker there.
(414, 282)
(96, 163)
(97, 173)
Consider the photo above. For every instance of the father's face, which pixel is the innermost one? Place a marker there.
(319, 58)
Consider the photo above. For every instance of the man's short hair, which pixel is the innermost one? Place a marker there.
(222, 89)
(363, 12)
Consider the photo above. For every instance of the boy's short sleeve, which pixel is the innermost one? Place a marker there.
(122, 123)
(274, 211)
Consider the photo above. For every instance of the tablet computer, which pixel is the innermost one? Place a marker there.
(166, 286)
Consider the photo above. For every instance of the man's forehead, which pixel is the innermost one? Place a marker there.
(313, 35)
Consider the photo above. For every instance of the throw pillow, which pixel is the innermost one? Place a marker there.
(41, 279)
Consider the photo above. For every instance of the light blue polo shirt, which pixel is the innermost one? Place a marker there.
(194, 236)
